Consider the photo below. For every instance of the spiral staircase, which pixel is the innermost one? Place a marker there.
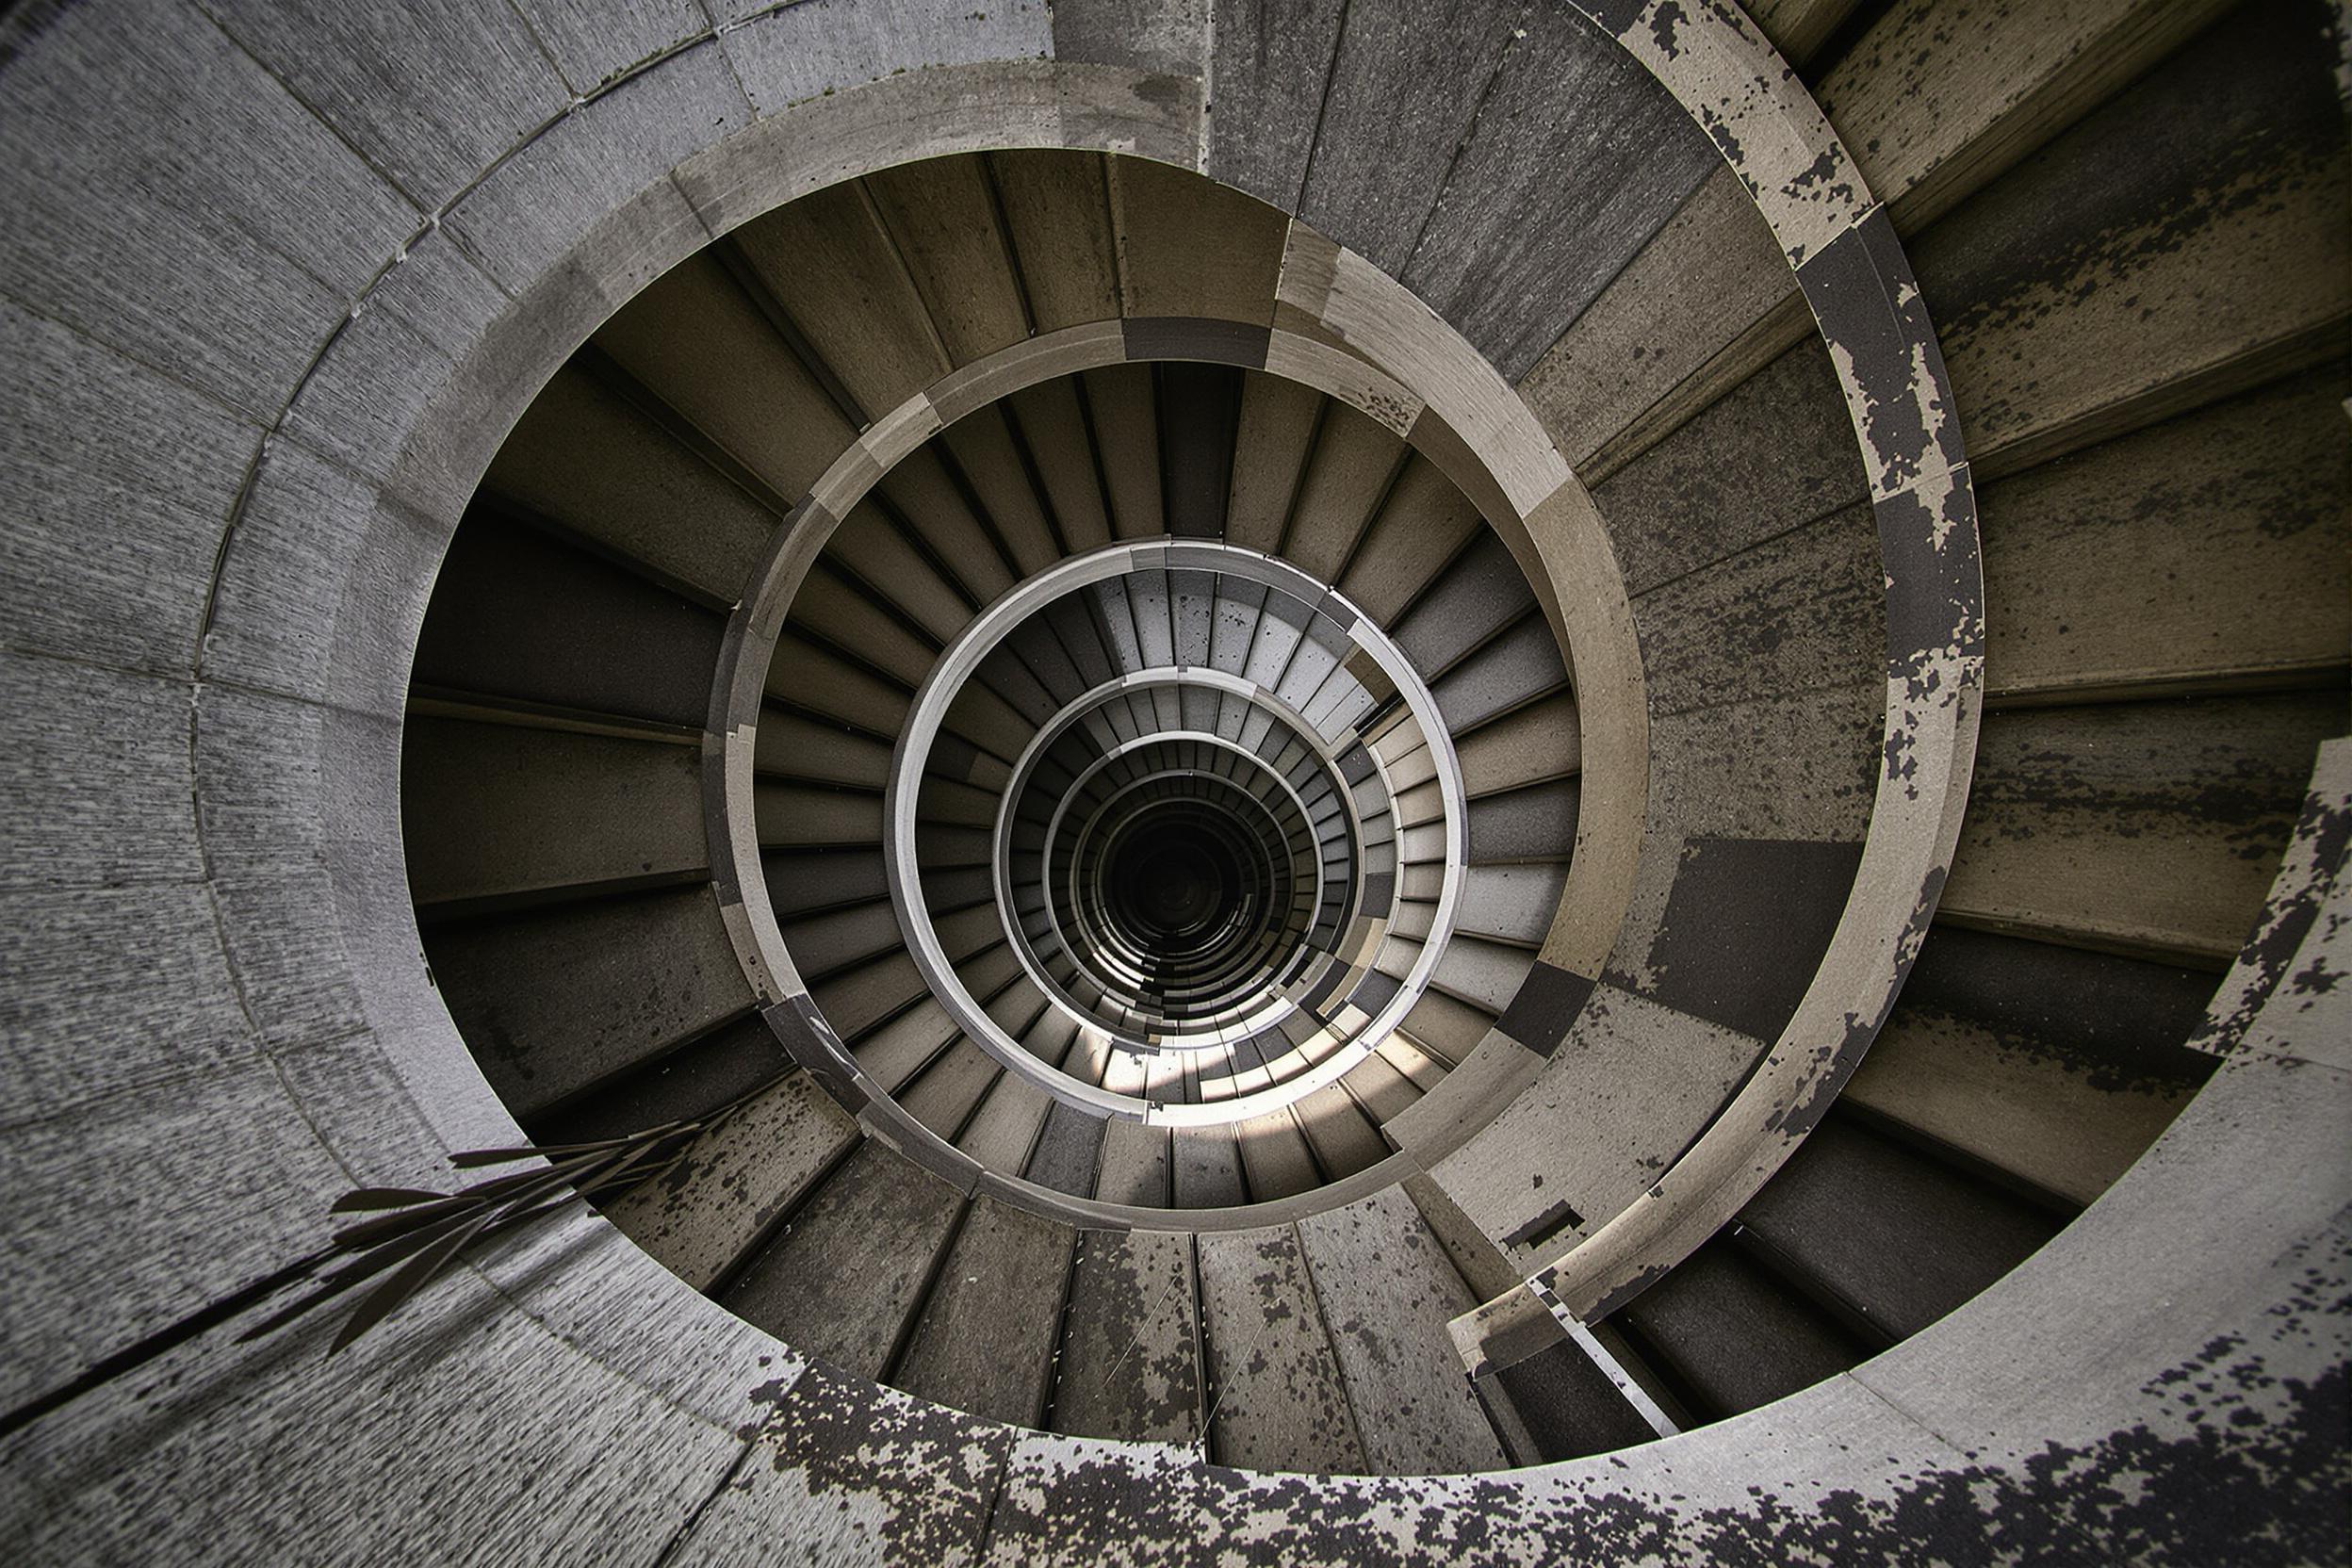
(1517, 782)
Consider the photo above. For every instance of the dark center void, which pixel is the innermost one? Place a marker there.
(1171, 883)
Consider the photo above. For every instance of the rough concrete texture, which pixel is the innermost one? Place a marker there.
(1541, 209)
(698, 340)
(621, 809)
(1846, 1211)
(1539, 743)
(1131, 1356)
(1387, 1288)
(846, 1273)
(429, 98)
(172, 203)
(1805, 609)
(1760, 769)
(265, 766)
(559, 189)
(1771, 454)
(1276, 1390)
(585, 459)
(2058, 1065)
(592, 41)
(1736, 1333)
(2254, 175)
(1635, 346)
(1400, 97)
(2165, 817)
(988, 1334)
(1746, 925)
(1617, 1102)
(187, 1416)
(288, 555)
(151, 110)
(784, 59)
(2255, 567)
(101, 786)
(610, 1012)
(130, 590)
(733, 1184)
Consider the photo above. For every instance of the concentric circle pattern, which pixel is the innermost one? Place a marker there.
(1211, 726)
(1184, 773)
(1262, 738)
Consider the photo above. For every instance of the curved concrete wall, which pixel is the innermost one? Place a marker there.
(276, 284)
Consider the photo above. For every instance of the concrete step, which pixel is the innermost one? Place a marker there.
(557, 1002)
(1276, 1393)
(700, 340)
(685, 1083)
(1730, 1336)
(1708, 300)
(584, 458)
(1896, 1237)
(1386, 1290)
(518, 612)
(986, 1336)
(2144, 829)
(2056, 1066)
(736, 1185)
(846, 1274)
(510, 811)
(1129, 1364)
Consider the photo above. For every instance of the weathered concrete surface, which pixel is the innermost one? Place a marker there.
(849, 1270)
(1423, 522)
(132, 590)
(1402, 94)
(2166, 819)
(702, 1216)
(429, 98)
(1191, 248)
(1634, 347)
(180, 1433)
(560, 189)
(989, 1331)
(1618, 1100)
(1536, 744)
(1519, 665)
(1934, 111)
(2237, 508)
(1760, 769)
(2055, 1064)
(265, 766)
(1275, 1383)
(1543, 204)
(1771, 454)
(619, 979)
(2162, 234)
(256, 329)
(524, 616)
(513, 810)
(1853, 1210)
(1162, 40)
(1130, 1352)
(785, 60)
(153, 112)
(593, 41)
(832, 1469)
(1387, 1288)
(586, 459)
(699, 341)
(1736, 1335)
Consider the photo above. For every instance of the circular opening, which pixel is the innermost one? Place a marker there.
(1299, 986)
(1174, 882)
